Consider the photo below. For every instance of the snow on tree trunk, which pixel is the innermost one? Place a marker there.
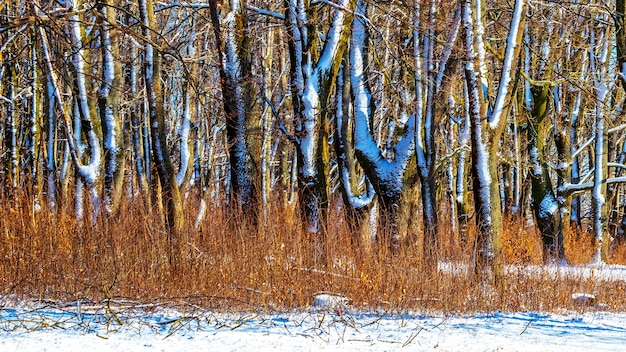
(545, 204)
(487, 125)
(267, 122)
(89, 173)
(598, 195)
(387, 177)
(11, 136)
(35, 135)
(356, 203)
(428, 86)
(174, 220)
(235, 75)
(312, 77)
(108, 108)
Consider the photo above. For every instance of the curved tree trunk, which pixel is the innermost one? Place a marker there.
(313, 75)
(487, 125)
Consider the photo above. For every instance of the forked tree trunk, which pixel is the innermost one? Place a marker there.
(487, 124)
(388, 177)
(312, 78)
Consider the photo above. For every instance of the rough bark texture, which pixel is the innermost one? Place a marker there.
(235, 79)
(313, 74)
(545, 205)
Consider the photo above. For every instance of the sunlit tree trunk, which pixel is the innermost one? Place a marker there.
(487, 124)
(233, 44)
(165, 168)
(138, 123)
(356, 203)
(109, 94)
(388, 177)
(545, 204)
(313, 75)
(429, 81)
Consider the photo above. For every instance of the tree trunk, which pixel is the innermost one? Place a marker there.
(174, 220)
(487, 124)
(233, 44)
(545, 204)
(313, 76)
(108, 108)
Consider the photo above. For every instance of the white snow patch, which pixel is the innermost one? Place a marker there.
(548, 206)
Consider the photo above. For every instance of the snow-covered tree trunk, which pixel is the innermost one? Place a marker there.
(267, 120)
(312, 77)
(89, 173)
(233, 43)
(35, 135)
(567, 164)
(487, 124)
(600, 171)
(428, 85)
(545, 204)
(11, 125)
(108, 108)
(165, 168)
(463, 209)
(388, 177)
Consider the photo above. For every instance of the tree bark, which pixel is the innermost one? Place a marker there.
(174, 220)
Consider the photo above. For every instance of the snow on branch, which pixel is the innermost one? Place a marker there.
(512, 42)
(569, 189)
(24, 92)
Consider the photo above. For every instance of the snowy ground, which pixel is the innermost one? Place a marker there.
(74, 328)
(329, 325)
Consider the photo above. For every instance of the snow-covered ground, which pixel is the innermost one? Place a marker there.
(330, 324)
(32, 327)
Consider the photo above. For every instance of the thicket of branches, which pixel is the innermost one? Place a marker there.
(418, 119)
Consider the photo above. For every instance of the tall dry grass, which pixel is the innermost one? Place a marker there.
(231, 264)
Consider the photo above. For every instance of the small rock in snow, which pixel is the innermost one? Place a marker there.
(328, 301)
(583, 299)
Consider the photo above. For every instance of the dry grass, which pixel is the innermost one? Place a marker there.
(232, 265)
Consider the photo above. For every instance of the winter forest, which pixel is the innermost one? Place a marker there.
(142, 137)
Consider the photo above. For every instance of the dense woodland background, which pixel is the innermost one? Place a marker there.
(419, 126)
